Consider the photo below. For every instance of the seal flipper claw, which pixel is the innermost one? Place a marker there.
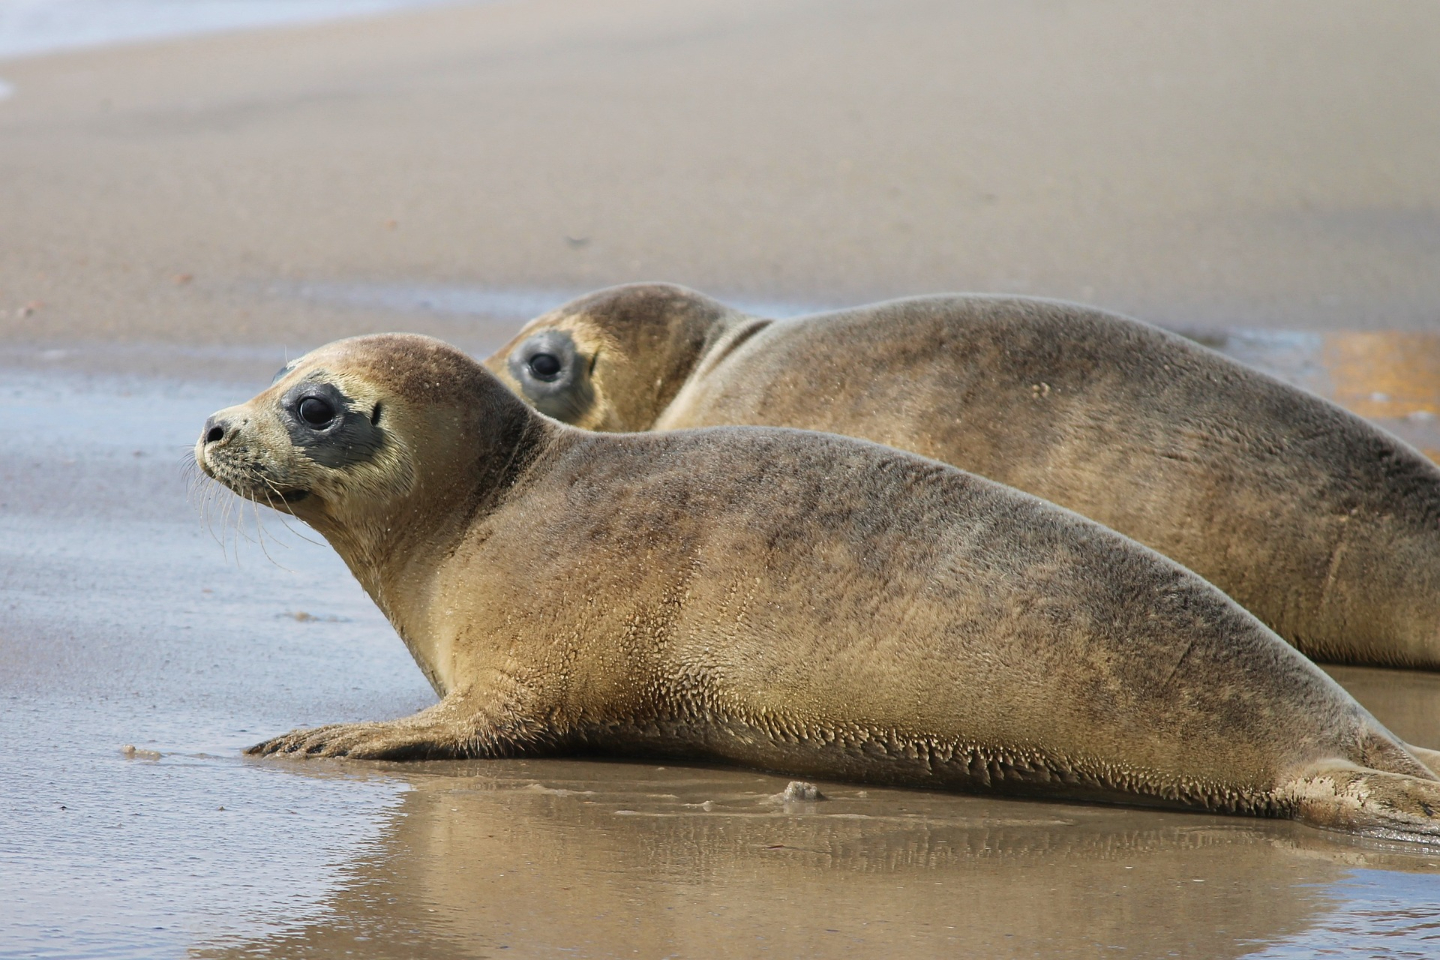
(363, 741)
(1342, 796)
(441, 732)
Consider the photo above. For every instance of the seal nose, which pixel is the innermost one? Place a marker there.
(216, 430)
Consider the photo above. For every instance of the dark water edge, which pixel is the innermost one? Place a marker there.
(126, 620)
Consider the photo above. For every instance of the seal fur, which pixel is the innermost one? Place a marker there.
(1322, 525)
(788, 600)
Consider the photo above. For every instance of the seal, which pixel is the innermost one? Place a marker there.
(782, 599)
(1322, 525)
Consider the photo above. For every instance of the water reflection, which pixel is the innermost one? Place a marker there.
(1390, 377)
(574, 858)
(1386, 375)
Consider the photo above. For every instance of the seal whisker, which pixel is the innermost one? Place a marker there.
(209, 501)
(202, 498)
(260, 534)
(197, 484)
(240, 517)
(228, 513)
(222, 523)
(283, 514)
(269, 504)
(218, 513)
(189, 472)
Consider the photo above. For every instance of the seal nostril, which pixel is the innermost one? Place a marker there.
(215, 430)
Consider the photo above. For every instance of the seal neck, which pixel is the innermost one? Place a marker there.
(698, 332)
(658, 333)
(728, 335)
(471, 460)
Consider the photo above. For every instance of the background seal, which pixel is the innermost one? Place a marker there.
(1322, 525)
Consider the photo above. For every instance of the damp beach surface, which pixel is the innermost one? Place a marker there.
(184, 216)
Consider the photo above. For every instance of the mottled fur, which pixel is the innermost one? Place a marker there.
(1323, 526)
(800, 602)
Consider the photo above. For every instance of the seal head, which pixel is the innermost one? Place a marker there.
(554, 376)
(315, 436)
(615, 359)
(385, 445)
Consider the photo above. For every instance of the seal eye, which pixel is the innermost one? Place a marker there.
(545, 366)
(316, 412)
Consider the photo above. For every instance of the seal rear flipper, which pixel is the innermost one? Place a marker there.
(1342, 796)
(1431, 758)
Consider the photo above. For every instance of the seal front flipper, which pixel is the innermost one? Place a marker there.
(453, 729)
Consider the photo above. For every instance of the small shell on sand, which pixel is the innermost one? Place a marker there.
(799, 791)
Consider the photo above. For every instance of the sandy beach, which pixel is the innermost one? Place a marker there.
(179, 217)
(1231, 167)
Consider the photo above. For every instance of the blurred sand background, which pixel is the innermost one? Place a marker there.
(1218, 166)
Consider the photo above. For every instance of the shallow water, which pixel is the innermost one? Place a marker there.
(124, 621)
(30, 27)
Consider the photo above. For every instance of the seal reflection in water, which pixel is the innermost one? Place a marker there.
(789, 600)
(1322, 525)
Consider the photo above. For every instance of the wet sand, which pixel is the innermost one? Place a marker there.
(181, 217)
(133, 612)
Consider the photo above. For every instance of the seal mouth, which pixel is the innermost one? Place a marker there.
(249, 480)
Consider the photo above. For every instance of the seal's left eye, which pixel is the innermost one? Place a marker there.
(545, 366)
(316, 412)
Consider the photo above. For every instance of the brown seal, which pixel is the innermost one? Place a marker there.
(1322, 525)
(783, 599)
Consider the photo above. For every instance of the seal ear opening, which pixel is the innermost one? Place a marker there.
(375, 416)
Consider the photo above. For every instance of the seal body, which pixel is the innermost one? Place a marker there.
(1322, 525)
(790, 600)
